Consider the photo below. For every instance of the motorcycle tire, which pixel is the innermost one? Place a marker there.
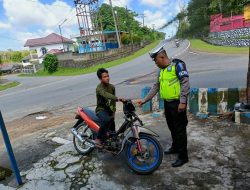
(87, 133)
(144, 170)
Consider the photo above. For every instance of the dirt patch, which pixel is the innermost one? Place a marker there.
(28, 125)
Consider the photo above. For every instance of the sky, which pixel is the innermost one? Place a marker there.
(27, 19)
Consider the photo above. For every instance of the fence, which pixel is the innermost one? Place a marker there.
(212, 101)
(70, 60)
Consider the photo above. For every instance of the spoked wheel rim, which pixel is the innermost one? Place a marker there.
(85, 132)
(149, 157)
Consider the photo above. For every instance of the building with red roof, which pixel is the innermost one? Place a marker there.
(53, 43)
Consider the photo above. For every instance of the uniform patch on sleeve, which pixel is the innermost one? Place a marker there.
(181, 70)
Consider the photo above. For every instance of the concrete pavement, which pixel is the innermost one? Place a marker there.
(218, 150)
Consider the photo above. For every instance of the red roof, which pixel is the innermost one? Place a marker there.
(52, 51)
(50, 39)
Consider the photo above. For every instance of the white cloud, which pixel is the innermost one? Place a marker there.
(34, 13)
(154, 3)
(4, 26)
(23, 36)
(154, 18)
(33, 19)
(119, 3)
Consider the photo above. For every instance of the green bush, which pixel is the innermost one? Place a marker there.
(148, 38)
(76, 50)
(16, 56)
(137, 39)
(125, 39)
(50, 63)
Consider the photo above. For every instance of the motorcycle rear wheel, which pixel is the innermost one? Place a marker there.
(86, 132)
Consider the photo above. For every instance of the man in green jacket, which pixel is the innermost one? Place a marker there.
(173, 85)
(106, 105)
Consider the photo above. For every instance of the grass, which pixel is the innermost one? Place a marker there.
(8, 85)
(200, 45)
(77, 71)
(4, 173)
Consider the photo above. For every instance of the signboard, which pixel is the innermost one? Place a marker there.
(247, 12)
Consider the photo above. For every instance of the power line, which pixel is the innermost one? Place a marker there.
(69, 20)
(70, 12)
(60, 23)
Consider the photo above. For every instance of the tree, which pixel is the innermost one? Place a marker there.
(195, 20)
(198, 17)
(226, 7)
(16, 56)
(125, 39)
(1, 62)
(125, 22)
(50, 63)
(25, 53)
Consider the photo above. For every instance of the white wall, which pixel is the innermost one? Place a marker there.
(52, 46)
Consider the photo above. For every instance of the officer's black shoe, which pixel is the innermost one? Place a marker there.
(170, 151)
(179, 162)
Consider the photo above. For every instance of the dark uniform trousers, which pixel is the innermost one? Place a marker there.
(177, 124)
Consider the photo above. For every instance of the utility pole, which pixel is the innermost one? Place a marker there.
(61, 32)
(129, 25)
(117, 35)
(143, 24)
(154, 31)
(143, 39)
(118, 28)
(61, 35)
(143, 17)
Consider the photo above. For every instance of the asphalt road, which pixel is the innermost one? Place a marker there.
(65, 93)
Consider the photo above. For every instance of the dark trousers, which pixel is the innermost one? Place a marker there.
(177, 124)
(106, 120)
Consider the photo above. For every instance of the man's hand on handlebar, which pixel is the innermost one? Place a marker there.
(122, 100)
(140, 102)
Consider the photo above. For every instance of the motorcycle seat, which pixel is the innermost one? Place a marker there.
(91, 114)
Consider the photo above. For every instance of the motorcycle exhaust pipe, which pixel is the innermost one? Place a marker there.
(76, 134)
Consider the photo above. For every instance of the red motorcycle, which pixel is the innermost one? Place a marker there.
(143, 151)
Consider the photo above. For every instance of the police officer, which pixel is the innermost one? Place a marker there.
(173, 84)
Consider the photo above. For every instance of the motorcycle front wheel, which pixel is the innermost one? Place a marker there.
(149, 159)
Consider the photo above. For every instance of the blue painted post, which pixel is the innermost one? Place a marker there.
(245, 117)
(161, 102)
(212, 101)
(233, 98)
(10, 151)
(193, 100)
(147, 107)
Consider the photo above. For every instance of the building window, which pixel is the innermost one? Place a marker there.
(43, 50)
